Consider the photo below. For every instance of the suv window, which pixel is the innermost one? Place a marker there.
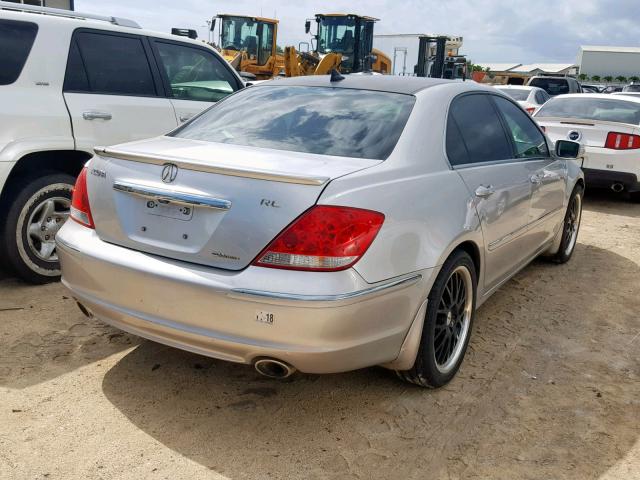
(553, 86)
(194, 73)
(16, 39)
(474, 131)
(110, 64)
(527, 139)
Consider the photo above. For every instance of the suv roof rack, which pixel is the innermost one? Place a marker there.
(21, 7)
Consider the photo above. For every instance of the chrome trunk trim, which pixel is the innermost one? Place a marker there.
(170, 196)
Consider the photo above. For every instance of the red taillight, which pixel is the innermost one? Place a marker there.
(324, 238)
(80, 208)
(622, 141)
(530, 110)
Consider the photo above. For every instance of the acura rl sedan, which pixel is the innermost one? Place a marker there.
(322, 225)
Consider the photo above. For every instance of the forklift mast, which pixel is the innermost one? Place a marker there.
(438, 65)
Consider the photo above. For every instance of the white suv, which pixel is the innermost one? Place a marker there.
(69, 82)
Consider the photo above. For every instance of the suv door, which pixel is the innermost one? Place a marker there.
(480, 151)
(547, 173)
(194, 77)
(113, 93)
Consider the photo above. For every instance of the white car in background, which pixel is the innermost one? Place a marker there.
(530, 98)
(70, 81)
(609, 127)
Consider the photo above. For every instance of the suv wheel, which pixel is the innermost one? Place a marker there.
(38, 210)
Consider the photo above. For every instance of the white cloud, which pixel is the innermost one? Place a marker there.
(521, 31)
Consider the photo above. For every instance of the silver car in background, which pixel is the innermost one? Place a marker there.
(322, 225)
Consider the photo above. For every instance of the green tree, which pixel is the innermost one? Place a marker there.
(583, 77)
(634, 79)
(595, 78)
(608, 79)
(621, 79)
(279, 49)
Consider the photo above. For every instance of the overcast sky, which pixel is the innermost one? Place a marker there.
(519, 31)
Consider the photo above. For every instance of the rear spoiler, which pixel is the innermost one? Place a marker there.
(283, 177)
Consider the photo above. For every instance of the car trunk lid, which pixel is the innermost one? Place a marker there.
(207, 203)
(589, 132)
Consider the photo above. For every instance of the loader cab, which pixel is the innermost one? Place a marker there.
(253, 35)
(349, 35)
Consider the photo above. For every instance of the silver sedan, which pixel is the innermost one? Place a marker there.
(323, 225)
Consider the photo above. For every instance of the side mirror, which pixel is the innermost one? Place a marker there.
(213, 24)
(247, 76)
(307, 26)
(569, 149)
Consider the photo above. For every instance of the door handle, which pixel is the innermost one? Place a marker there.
(96, 115)
(184, 118)
(536, 178)
(485, 191)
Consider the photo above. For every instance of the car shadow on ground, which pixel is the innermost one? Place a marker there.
(44, 335)
(549, 389)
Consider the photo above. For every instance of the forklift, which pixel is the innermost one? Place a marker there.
(343, 42)
(435, 62)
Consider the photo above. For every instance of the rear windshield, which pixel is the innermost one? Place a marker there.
(326, 121)
(631, 88)
(604, 109)
(518, 94)
(553, 86)
(16, 39)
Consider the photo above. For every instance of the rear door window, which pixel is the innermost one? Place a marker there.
(474, 123)
(113, 64)
(194, 73)
(527, 138)
(16, 40)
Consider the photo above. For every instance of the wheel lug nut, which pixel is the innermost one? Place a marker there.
(43, 228)
(46, 237)
(48, 219)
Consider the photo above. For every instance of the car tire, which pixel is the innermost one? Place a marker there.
(447, 325)
(570, 226)
(39, 207)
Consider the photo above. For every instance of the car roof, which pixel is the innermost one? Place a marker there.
(73, 19)
(603, 96)
(382, 83)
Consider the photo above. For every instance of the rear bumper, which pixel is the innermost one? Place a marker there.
(322, 322)
(596, 178)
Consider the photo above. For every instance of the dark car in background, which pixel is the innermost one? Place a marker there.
(556, 85)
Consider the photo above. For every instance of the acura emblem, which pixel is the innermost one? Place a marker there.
(169, 172)
(574, 135)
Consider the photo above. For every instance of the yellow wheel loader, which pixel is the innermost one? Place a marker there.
(343, 42)
(249, 44)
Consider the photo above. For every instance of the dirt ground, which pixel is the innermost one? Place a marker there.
(550, 389)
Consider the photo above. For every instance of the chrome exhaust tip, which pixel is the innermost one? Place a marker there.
(617, 187)
(274, 368)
